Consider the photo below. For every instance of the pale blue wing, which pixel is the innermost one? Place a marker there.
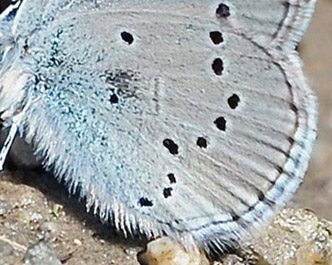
(173, 117)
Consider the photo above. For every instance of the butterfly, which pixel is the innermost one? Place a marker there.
(190, 119)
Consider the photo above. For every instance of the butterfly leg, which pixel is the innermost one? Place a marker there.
(7, 145)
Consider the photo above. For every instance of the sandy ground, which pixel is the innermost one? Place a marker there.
(34, 207)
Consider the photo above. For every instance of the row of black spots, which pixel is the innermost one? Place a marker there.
(222, 11)
(174, 149)
(167, 192)
(233, 102)
(218, 68)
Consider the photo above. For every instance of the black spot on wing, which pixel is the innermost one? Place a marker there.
(167, 192)
(216, 37)
(171, 146)
(233, 101)
(127, 37)
(201, 142)
(171, 178)
(223, 11)
(220, 123)
(114, 99)
(218, 66)
(144, 202)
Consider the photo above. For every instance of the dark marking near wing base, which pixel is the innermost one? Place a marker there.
(122, 82)
(171, 146)
(220, 123)
(223, 11)
(144, 202)
(167, 192)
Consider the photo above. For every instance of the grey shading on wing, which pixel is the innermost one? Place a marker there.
(186, 118)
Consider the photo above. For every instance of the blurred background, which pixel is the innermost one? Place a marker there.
(316, 52)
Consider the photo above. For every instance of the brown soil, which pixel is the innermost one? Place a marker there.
(316, 51)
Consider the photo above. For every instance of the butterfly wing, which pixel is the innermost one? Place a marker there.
(180, 117)
(281, 23)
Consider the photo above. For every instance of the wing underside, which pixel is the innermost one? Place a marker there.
(172, 117)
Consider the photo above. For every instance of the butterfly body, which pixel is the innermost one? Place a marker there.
(182, 118)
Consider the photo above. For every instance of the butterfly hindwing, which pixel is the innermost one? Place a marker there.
(177, 117)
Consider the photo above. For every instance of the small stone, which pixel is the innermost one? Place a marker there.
(4, 207)
(130, 251)
(40, 254)
(294, 237)
(77, 242)
(5, 249)
(35, 217)
(56, 210)
(165, 251)
(24, 216)
(49, 227)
